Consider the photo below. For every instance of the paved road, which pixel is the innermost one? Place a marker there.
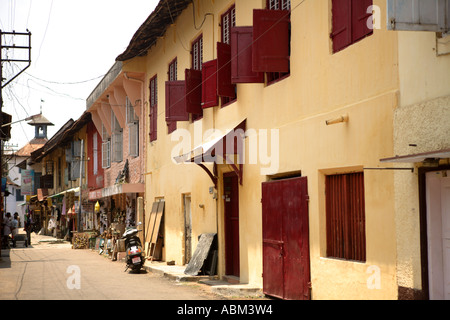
(47, 271)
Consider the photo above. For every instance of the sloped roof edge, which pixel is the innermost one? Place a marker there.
(155, 26)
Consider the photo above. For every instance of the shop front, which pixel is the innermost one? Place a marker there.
(108, 212)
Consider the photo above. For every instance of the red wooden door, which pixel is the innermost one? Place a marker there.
(231, 193)
(286, 262)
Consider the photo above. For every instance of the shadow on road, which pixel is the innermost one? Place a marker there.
(5, 261)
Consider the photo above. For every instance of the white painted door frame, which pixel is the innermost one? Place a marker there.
(438, 233)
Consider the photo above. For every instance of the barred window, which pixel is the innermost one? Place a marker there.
(153, 108)
(197, 53)
(345, 216)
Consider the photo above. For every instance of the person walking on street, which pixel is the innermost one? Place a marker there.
(28, 227)
(14, 228)
(7, 224)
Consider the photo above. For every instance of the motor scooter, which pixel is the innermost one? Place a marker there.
(135, 254)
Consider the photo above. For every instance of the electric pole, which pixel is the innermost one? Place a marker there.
(11, 53)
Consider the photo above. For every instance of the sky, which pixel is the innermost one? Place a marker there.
(74, 43)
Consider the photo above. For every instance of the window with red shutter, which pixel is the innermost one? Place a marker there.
(175, 101)
(197, 53)
(153, 108)
(279, 5)
(228, 21)
(349, 22)
(342, 32)
(209, 85)
(193, 91)
(224, 86)
(171, 126)
(173, 70)
(197, 64)
(241, 57)
(359, 19)
(173, 76)
(271, 40)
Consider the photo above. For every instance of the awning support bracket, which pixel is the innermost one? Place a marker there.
(213, 176)
(237, 170)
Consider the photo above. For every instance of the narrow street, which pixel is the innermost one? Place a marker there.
(49, 271)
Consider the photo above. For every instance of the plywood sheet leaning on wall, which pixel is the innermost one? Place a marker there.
(153, 230)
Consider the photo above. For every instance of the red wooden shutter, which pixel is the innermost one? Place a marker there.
(153, 123)
(193, 91)
(209, 87)
(359, 19)
(175, 101)
(224, 86)
(345, 212)
(271, 40)
(241, 57)
(342, 31)
(171, 126)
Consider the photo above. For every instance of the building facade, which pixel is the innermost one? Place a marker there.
(116, 182)
(307, 109)
(310, 138)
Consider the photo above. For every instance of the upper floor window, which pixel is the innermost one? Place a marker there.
(197, 53)
(106, 148)
(350, 22)
(197, 64)
(265, 48)
(173, 70)
(278, 5)
(133, 129)
(117, 139)
(173, 76)
(153, 108)
(228, 21)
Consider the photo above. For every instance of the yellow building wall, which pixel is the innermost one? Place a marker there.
(361, 81)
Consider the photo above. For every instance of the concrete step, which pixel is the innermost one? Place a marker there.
(230, 287)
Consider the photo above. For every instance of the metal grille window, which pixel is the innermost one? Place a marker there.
(173, 70)
(197, 64)
(153, 91)
(197, 53)
(173, 76)
(345, 212)
(279, 4)
(228, 21)
(153, 108)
